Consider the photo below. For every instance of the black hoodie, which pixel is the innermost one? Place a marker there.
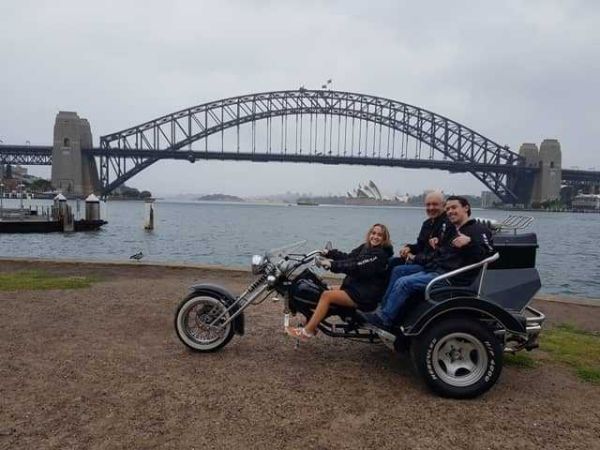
(447, 257)
(440, 228)
(367, 273)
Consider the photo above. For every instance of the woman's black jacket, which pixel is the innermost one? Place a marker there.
(367, 273)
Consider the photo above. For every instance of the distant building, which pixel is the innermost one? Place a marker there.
(366, 190)
(7, 171)
(488, 199)
(369, 194)
(586, 201)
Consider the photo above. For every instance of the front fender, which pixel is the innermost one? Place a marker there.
(467, 305)
(226, 296)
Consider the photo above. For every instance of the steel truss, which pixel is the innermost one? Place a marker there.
(174, 132)
(580, 177)
(26, 155)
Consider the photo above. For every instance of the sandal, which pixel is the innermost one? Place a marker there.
(299, 333)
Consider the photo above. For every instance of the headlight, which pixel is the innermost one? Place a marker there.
(258, 263)
(271, 280)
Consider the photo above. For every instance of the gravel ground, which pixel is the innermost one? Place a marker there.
(102, 368)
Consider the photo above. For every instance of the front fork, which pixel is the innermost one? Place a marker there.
(254, 291)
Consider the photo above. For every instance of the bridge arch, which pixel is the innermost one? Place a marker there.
(146, 143)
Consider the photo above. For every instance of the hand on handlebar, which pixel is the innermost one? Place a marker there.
(323, 262)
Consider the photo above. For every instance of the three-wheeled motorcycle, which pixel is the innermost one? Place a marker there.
(455, 335)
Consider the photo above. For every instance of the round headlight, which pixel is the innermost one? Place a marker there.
(258, 262)
(271, 280)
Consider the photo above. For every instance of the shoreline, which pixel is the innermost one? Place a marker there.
(547, 297)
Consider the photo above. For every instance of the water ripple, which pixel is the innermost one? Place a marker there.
(211, 233)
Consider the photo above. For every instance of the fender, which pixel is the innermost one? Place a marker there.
(467, 305)
(224, 294)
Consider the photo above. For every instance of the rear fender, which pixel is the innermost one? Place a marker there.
(466, 305)
(226, 296)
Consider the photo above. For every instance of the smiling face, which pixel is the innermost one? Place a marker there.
(456, 212)
(376, 236)
(434, 204)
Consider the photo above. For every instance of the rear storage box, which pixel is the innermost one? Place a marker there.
(517, 251)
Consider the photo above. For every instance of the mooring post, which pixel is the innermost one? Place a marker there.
(149, 214)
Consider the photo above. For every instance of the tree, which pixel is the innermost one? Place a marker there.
(40, 185)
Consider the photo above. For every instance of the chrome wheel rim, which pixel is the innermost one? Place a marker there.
(195, 320)
(459, 359)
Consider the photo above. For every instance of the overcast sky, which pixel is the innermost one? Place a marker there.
(515, 71)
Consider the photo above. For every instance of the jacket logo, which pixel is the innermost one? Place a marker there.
(366, 261)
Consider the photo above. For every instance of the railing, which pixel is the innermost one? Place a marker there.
(483, 264)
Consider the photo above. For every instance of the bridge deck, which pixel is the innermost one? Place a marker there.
(42, 155)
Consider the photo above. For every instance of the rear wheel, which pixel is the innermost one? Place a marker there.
(194, 323)
(458, 357)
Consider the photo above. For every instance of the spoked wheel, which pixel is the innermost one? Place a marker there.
(194, 323)
(458, 357)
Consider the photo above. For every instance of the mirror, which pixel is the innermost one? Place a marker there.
(328, 246)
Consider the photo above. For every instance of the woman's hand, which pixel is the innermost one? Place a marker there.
(323, 262)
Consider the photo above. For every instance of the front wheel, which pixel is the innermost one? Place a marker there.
(194, 323)
(458, 357)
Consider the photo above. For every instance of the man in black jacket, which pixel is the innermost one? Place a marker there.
(470, 244)
(413, 257)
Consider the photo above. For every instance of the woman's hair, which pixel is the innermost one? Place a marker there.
(386, 235)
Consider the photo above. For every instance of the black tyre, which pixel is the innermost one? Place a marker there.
(193, 320)
(458, 357)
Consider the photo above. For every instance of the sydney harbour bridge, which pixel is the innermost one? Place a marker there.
(299, 126)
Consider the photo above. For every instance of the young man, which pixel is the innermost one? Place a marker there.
(470, 244)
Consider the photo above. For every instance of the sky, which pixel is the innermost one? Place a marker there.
(515, 71)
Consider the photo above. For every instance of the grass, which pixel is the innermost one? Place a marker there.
(37, 280)
(520, 360)
(577, 348)
(566, 344)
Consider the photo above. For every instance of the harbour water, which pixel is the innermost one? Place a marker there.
(229, 233)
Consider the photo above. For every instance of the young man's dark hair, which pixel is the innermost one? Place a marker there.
(463, 202)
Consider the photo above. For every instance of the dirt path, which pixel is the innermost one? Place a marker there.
(102, 368)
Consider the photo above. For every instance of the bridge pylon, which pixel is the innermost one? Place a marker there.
(543, 182)
(73, 172)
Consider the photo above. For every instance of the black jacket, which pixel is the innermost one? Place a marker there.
(440, 228)
(367, 273)
(447, 257)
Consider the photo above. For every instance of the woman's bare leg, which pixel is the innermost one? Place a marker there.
(328, 298)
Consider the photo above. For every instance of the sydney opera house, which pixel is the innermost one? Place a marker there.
(369, 194)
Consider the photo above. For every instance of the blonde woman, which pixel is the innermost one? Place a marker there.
(366, 269)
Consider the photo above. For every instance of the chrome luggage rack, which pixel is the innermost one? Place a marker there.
(516, 222)
(512, 222)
